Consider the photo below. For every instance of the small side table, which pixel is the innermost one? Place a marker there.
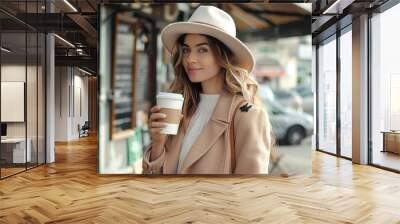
(391, 141)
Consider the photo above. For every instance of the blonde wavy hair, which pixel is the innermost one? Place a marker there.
(237, 80)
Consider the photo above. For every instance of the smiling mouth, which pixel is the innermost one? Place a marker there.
(191, 70)
(194, 69)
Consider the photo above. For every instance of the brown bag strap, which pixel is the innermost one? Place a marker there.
(232, 138)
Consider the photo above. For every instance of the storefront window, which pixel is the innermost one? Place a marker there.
(385, 84)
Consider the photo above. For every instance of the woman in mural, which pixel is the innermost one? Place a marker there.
(224, 127)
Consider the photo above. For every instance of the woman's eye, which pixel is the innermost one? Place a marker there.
(185, 50)
(203, 50)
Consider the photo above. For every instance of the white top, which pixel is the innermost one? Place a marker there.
(199, 120)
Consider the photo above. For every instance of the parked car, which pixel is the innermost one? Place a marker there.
(266, 92)
(288, 126)
(308, 98)
(289, 99)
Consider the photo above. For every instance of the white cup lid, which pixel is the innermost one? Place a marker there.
(175, 96)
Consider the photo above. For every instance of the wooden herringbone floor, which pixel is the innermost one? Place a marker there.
(70, 191)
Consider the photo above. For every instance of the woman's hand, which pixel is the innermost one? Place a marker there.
(156, 125)
(158, 139)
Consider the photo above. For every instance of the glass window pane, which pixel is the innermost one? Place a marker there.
(31, 97)
(23, 84)
(13, 87)
(41, 99)
(386, 89)
(31, 86)
(327, 97)
(346, 94)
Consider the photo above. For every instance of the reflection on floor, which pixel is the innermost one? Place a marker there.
(387, 159)
(71, 191)
(10, 169)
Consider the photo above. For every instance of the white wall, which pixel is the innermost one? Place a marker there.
(61, 103)
(12, 101)
(81, 83)
(15, 73)
(71, 93)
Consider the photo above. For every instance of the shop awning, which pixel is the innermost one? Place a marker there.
(268, 67)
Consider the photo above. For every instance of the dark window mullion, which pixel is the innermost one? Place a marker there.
(0, 95)
(369, 96)
(37, 90)
(26, 86)
(45, 89)
(338, 98)
(316, 97)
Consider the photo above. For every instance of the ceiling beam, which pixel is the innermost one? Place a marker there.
(91, 5)
(268, 21)
(269, 12)
(84, 24)
(17, 19)
(77, 17)
(321, 22)
(49, 22)
(337, 7)
(298, 28)
(81, 61)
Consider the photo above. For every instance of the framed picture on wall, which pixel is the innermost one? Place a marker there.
(123, 77)
(12, 101)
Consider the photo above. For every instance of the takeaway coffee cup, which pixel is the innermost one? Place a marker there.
(171, 105)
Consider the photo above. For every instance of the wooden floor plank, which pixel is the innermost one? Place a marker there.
(70, 191)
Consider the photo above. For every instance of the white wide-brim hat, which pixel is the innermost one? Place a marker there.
(211, 21)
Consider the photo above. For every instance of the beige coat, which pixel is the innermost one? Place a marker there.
(211, 153)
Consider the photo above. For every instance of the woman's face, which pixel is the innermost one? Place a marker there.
(198, 60)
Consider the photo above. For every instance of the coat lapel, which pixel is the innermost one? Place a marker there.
(215, 127)
(173, 149)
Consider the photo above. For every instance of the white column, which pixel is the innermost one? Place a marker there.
(360, 90)
(50, 108)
